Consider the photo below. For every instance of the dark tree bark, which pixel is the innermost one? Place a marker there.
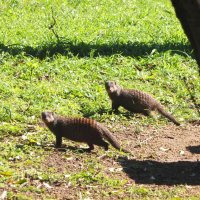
(188, 12)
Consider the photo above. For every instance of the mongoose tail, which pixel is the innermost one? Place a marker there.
(161, 110)
(108, 136)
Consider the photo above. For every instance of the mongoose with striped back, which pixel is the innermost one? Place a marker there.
(84, 130)
(135, 101)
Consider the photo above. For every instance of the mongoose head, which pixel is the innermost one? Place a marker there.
(48, 117)
(112, 87)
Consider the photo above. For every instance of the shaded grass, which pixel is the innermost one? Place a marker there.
(70, 49)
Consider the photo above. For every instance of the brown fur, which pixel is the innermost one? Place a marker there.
(134, 100)
(80, 130)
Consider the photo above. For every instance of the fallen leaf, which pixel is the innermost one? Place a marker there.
(69, 158)
(24, 137)
(39, 185)
(47, 186)
(68, 184)
(67, 175)
(188, 187)
(112, 169)
(102, 156)
(40, 178)
(3, 195)
(119, 169)
(18, 158)
(181, 152)
(164, 149)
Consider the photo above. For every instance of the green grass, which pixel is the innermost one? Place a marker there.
(140, 44)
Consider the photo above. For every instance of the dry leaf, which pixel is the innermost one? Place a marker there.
(112, 169)
(68, 184)
(164, 149)
(102, 156)
(39, 185)
(67, 175)
(69, 158)
(24, 137)
(47, 186)
(3, 195)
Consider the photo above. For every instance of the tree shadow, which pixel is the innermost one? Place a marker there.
(194, 149)
(162, 173)
(82, 49)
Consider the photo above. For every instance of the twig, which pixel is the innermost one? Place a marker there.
(51, 27)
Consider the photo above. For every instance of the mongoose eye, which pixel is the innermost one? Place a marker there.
(109, 84)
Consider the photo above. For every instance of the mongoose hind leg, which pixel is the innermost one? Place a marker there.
(103, 144)
(58, 141)
(91, 147)
(147, 112)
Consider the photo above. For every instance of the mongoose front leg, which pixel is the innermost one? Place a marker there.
(147, 112)
(58, 141)
(115, 107)
(105, 146)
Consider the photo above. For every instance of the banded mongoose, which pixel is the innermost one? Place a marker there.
(135, 101)
(84, 130)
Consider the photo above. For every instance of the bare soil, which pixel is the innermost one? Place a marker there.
(163, 157)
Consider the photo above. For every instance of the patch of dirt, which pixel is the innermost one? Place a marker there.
(163, 157)
(167, 143)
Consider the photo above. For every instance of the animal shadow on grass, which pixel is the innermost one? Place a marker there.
(194, 149)
(64, 148)
(162, 173)
(74, 149)
(100, 111)
(66, 47)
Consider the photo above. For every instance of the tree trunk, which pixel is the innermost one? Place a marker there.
(188, 12)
